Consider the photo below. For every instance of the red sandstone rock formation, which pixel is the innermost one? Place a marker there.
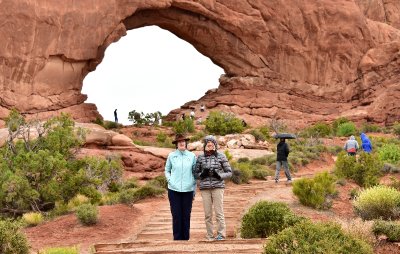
(299, 60)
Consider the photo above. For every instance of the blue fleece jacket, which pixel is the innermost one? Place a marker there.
(179, 171)
(366, 143)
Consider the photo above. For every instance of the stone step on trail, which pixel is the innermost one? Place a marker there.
(227, 246)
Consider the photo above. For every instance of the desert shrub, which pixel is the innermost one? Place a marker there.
(337, 122)
(261, 173)
(258, 135)
(164, 141)
(130, 183)
(359, 229)
(60, 250)
(365, 171)
(221, 123)
(197, 136)
(245, 171)
(317, 238)
(335, 150)
(161, 137)
(37, 173)
(369, 127)
(389, 228)
(315, 192)
(317, 130)
(266, 218)
(77, 201)
(32, 219)
(228, 155)
(394, 183)
(396, 129)
(184, 126)
(354, 193)
(109, 125)
(346, 129)
(110, 198)
(378, 202)
(12, 240)
(389, 153)
(132, 195)
(159, 182)
(243, 160)
(87, 214)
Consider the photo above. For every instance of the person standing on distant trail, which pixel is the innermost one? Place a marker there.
(115, 116)
(282, 153)
(179, 170)
(351, 146)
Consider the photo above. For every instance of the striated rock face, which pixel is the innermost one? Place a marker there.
(303, 61)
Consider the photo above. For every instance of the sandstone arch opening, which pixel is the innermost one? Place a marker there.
(149, 70)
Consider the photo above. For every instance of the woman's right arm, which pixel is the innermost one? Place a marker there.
(168, 167)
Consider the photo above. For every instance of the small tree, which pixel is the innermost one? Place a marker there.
(221, 123)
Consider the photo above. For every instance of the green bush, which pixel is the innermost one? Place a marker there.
(368, 127)
(378, 202)
(346, 129)
(32, 219)
(184, 126)
(77, 201)
(389, 228)
(337, 122)
(389, 153)
(197, 136)
(317, 130)
(318, 238)
(221, 123)
(228, 155)
(390, 168)
(243, 160)
(236, 176)
(132, 195)
(266, 218)
(315, 192)
(365, 172)
(110, 198)
(60, 250)
(159, 182)
(130, 183)
(87, 214)
(396, 129)
(245, 170)
(12, 240)
(109, 125)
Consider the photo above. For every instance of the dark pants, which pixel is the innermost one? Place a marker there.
(181, 207)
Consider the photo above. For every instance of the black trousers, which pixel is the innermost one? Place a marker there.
(181, 208)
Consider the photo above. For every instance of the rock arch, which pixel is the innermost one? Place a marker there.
(299, 60)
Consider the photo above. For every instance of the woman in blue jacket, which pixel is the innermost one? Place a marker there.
(181, 186)
(366, 143)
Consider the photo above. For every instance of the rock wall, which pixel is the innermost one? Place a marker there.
(303, 61)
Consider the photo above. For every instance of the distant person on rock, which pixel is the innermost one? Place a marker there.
(192, 114)
(179, 170)
(212, 168)
(115, 116)
(351, 146)
(202, 108)
(282, 153)
(183, 116)
(366, 144)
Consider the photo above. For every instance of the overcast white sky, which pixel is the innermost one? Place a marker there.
(150, 69)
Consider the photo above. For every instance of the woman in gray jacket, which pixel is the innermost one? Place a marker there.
(212, 168)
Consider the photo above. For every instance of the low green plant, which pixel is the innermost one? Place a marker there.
(197, 136)
(245, 170)
(317, 130)
(32, 219)
(266, 218)
(389, 228)
(378, 202)
(221, 123)
(110, 198)
(337, 122)
(159, 182)
(60, 250)
(243, 160)
(396, 129)
(346, 129)
(133, 195)
(109, 125)
(390, 168)
(390, 153)
(394, 183)
(365, 171)
(184, 126)
(317, 238)
(228, 155)
(369, 127)
(87, 214)
(236, 176)
(77, 201)
(12, 240)
(130, 183)
(315, 192)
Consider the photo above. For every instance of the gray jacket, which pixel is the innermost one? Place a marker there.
(216, 162)
(351, 143)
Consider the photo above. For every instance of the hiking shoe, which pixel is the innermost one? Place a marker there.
(219, 238)
(276, 181)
